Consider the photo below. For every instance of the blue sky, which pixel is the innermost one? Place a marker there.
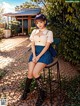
(9, 5)
(14, 2)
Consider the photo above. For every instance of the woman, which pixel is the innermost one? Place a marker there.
(41, 38)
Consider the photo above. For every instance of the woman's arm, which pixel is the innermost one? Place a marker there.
(33, 51)
(48, 42)
(33, 48)
(33, 42)
(43, 51)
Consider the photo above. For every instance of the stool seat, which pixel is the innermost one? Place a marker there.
(53, 63)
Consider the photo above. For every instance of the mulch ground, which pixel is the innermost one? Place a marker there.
(16, 72)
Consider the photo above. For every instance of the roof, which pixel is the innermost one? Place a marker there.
(24, 12)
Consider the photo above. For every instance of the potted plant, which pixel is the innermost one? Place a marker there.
(7, 31)
(14, 25)
(1, 33)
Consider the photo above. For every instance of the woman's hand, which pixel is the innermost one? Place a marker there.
(37, 58)
(34, 59)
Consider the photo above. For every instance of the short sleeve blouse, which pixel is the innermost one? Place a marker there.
(47, 36)
(32, 35)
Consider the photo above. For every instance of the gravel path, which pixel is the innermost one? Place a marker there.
(16, 71)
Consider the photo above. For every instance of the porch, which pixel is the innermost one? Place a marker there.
(25, 17)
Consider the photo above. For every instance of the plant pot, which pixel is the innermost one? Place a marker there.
(7, 33)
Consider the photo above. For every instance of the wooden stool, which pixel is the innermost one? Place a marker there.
(52, 80)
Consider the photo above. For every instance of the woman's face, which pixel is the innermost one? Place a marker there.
(40, 24)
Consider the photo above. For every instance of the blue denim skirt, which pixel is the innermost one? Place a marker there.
(46, 58)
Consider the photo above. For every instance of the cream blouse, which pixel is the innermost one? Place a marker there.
(46, 36)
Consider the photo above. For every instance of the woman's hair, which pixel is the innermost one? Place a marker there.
(40, 17)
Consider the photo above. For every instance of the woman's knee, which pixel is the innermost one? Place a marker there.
(35, 74)
(30, 74)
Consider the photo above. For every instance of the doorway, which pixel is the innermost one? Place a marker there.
(25, 26)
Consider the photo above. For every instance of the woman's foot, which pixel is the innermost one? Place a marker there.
(41, 98)
(41, 92)
(24, 95)
(26, 89)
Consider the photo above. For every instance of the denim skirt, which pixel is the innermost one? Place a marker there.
(46, 58)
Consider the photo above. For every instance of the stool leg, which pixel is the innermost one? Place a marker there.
(44, 74)
(50, 87)
(58, 76)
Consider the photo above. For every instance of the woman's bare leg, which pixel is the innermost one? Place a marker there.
(28, 80)
(31, 66)
(37, 69)
(41, 93)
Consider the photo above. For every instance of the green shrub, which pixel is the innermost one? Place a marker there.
(22, 84)
(32, 28)
(2, 74)
(64, 21)
(72, 89)
(1, 32)
(71, 45)
(14, 26)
